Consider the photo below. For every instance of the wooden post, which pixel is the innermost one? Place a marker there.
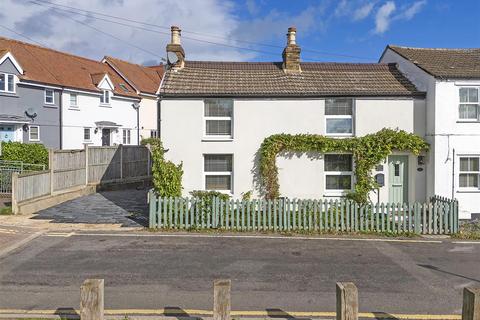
(86, 164)
(221, 299)
(51, 154)
(91, 300)
(14, 192)
(120, 147)
(347, 301)
(471, 304)
(149, 160)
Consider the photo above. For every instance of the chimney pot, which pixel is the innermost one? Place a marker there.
(176, 34)
(291, 35)
(175, 52)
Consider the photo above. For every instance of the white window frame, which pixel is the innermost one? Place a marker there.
(460, 188)
(104, 97)
(477, 104)
(218, 173)
(205, 118)
(76, 100)
(153, 133)
(8, 82)
(349, 117)
(30, 133)
(45, 96)
(89, 134)
(337, 192)
(127, 136)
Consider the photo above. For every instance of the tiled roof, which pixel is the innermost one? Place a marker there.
(53, 67)
(267, 79)
(145, 79)
(444, 63)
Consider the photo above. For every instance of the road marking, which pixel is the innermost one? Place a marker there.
(9, 231)
(20, 243)
(258, 313)
(60, 234)
(254, 237)
(466, 242)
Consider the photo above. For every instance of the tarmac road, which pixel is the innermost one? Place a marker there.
(154, 270)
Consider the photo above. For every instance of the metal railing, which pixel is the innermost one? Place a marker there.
(8, 167)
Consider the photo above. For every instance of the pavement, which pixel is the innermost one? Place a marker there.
(150, 270)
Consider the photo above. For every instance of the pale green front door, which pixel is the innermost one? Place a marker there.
(398, 179)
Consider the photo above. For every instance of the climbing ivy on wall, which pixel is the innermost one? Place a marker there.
(368, 151)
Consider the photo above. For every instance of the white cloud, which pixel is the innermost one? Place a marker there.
(343, 8)
(252, 7)
(415, 8)
(363, 11)
(214, 17)
(384, 16)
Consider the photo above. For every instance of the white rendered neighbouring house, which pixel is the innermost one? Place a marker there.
(451, 79)
(63, 101)
(215, 115)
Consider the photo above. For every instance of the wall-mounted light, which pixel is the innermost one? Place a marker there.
(421, 160)
(95, 131)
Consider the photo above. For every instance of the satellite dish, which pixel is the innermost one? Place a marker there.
(172, 57)
(31, 113)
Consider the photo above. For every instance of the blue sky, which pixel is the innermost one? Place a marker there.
(353, 30)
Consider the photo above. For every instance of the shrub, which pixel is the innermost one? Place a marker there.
(209, 195)
(167, 176)
(33, 153)
(151, 141)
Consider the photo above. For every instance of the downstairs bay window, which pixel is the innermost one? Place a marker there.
(218, 172)
(469, 175)
(338, 173)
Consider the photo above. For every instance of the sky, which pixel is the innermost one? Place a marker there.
(241, 30)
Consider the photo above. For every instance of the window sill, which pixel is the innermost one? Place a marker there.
(50, 106)
(468, 121)
(337, 194)
(74, 108)
(218, 139)
(9, 94)
(469, 191)
(339, 135)
(105, 105)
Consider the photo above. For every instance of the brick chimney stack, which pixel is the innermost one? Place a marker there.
(291, 53)
(175, 52)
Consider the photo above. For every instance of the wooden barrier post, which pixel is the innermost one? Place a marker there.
(51, 154)
(221, 299)
(471, 304)
(14, 192)
(347, 301)
(91, 299)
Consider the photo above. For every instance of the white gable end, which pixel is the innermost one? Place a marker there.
(14, 61)
(106, 84)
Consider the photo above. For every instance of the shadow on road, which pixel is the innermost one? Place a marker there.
(67, 313)
(428, 266)
(280, 314)
(383, 316)
(179, 313)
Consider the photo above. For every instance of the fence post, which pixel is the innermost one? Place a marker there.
(14, 192)
(91, 299)
(471, 304)
(221, 299)
(51, 154)
(120, 147)
(347, 301)
(152, 206)
(86, 164)
(149, 161)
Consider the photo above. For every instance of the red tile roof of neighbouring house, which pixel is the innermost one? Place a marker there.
(144, 79)
(443, 63)
(267, 79)
(52, 67)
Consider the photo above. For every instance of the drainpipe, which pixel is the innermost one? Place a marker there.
(60, 106)
(453, 175)
(159, 117)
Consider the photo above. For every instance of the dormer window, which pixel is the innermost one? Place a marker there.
(7, 83)
(49, 96)
(105, 97)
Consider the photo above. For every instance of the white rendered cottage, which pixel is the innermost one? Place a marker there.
(215, 115)
(451, 78)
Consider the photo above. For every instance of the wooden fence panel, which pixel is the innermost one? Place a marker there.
(68, 169)
(104, 164)
(32, 185)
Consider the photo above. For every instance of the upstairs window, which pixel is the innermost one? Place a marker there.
(105, 97)
(7, 83)
(338, 172)
(218, 118)
(73, 100)
(338, 115)
(469, 172)
(469, 108)
(49, 96)
(218, 172)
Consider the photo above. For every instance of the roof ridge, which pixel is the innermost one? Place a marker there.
(49, 49)
(439, 49)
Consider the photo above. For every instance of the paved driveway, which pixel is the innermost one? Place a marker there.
(126, 207)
